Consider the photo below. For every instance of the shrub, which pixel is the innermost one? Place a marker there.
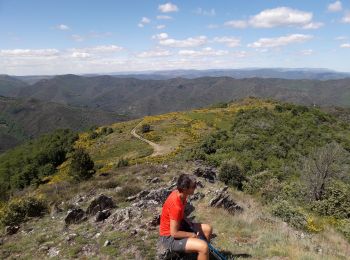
(122, 163)
(231, 173)
(81, 167)
(129, 190)
(335, 202)
(145, 128)
(289, 214)
(344, 227)
(18, 210)
(270, 190)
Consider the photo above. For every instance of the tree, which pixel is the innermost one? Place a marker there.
(81, 167)
(323, 165)
(231, 173)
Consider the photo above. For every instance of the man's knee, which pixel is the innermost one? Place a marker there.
(204, 248)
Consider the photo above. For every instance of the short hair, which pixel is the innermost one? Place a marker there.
(185, 181)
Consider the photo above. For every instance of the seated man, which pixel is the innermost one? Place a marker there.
(173, 223)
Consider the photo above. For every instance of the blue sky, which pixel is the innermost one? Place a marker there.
(80, 36)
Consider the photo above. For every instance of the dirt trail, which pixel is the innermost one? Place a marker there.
(157, 149)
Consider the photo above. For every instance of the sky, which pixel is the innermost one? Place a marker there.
(46, 37)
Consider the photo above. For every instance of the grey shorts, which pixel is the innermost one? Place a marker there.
(177, 245)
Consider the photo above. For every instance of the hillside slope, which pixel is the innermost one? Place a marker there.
(263, 230)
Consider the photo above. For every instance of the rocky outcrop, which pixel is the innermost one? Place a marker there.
(100, 204)
(207, 173)
(75, 216)
(223, 200)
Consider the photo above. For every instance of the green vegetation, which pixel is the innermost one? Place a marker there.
(30, 163)
(145, 128)
(81, 165)
(293, 156)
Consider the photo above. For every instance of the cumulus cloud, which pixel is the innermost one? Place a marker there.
(154, 53)
(229, 41)
(280, 41)
(168, 8)
(29, 52)
(160, 27)
(335, 7)
(208, 51)
(62, 27)
(164, 17)
(143, 22)
(280, 16)
(237, 24)
(212, 26)
(346, 18)
(201, 11)
(345, 45)
(164, 40)
(341, 38)
(77, 38)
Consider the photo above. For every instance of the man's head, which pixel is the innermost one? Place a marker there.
(186, 183)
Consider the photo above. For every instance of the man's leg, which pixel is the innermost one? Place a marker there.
(199, 246)
(203, 229)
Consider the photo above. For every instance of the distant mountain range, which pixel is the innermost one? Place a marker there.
(21, 119)
(39, 104)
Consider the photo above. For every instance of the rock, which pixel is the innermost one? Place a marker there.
(71, 237)
(133, 232)
(117, 189)
(102, 215)
(107, 243)
(53, 251)
(155, 180)
(104, 174)
(223, 200)
(75, 216)
(44, 248)
(97, 235)
(100, 203)
(208, 173)
(11, 230)
(155, 221)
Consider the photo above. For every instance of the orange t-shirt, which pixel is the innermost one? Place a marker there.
(172, 209)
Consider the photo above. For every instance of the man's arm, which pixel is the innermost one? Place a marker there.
(176, 233)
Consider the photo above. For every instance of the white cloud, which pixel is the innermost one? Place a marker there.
(154, 53)
(80, 55)
(306, 52)
(145, 20)
(189, 42)
(99, 49)
(29, 52)
(168, 7)
(346, 18)
(335, 7)
(237, 24)
(160, 36)
(229, 41)
(345, 45)
(160, 27)
(312, 25)
(208, 51)
(240, 54)
(164, 17)
(280, 16)
(62, 27)
(280, 41)
(201, 11)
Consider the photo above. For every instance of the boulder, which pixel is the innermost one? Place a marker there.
(102, 215)
(100, 203)
(75, 216)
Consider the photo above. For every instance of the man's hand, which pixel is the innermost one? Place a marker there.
(194, 235)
